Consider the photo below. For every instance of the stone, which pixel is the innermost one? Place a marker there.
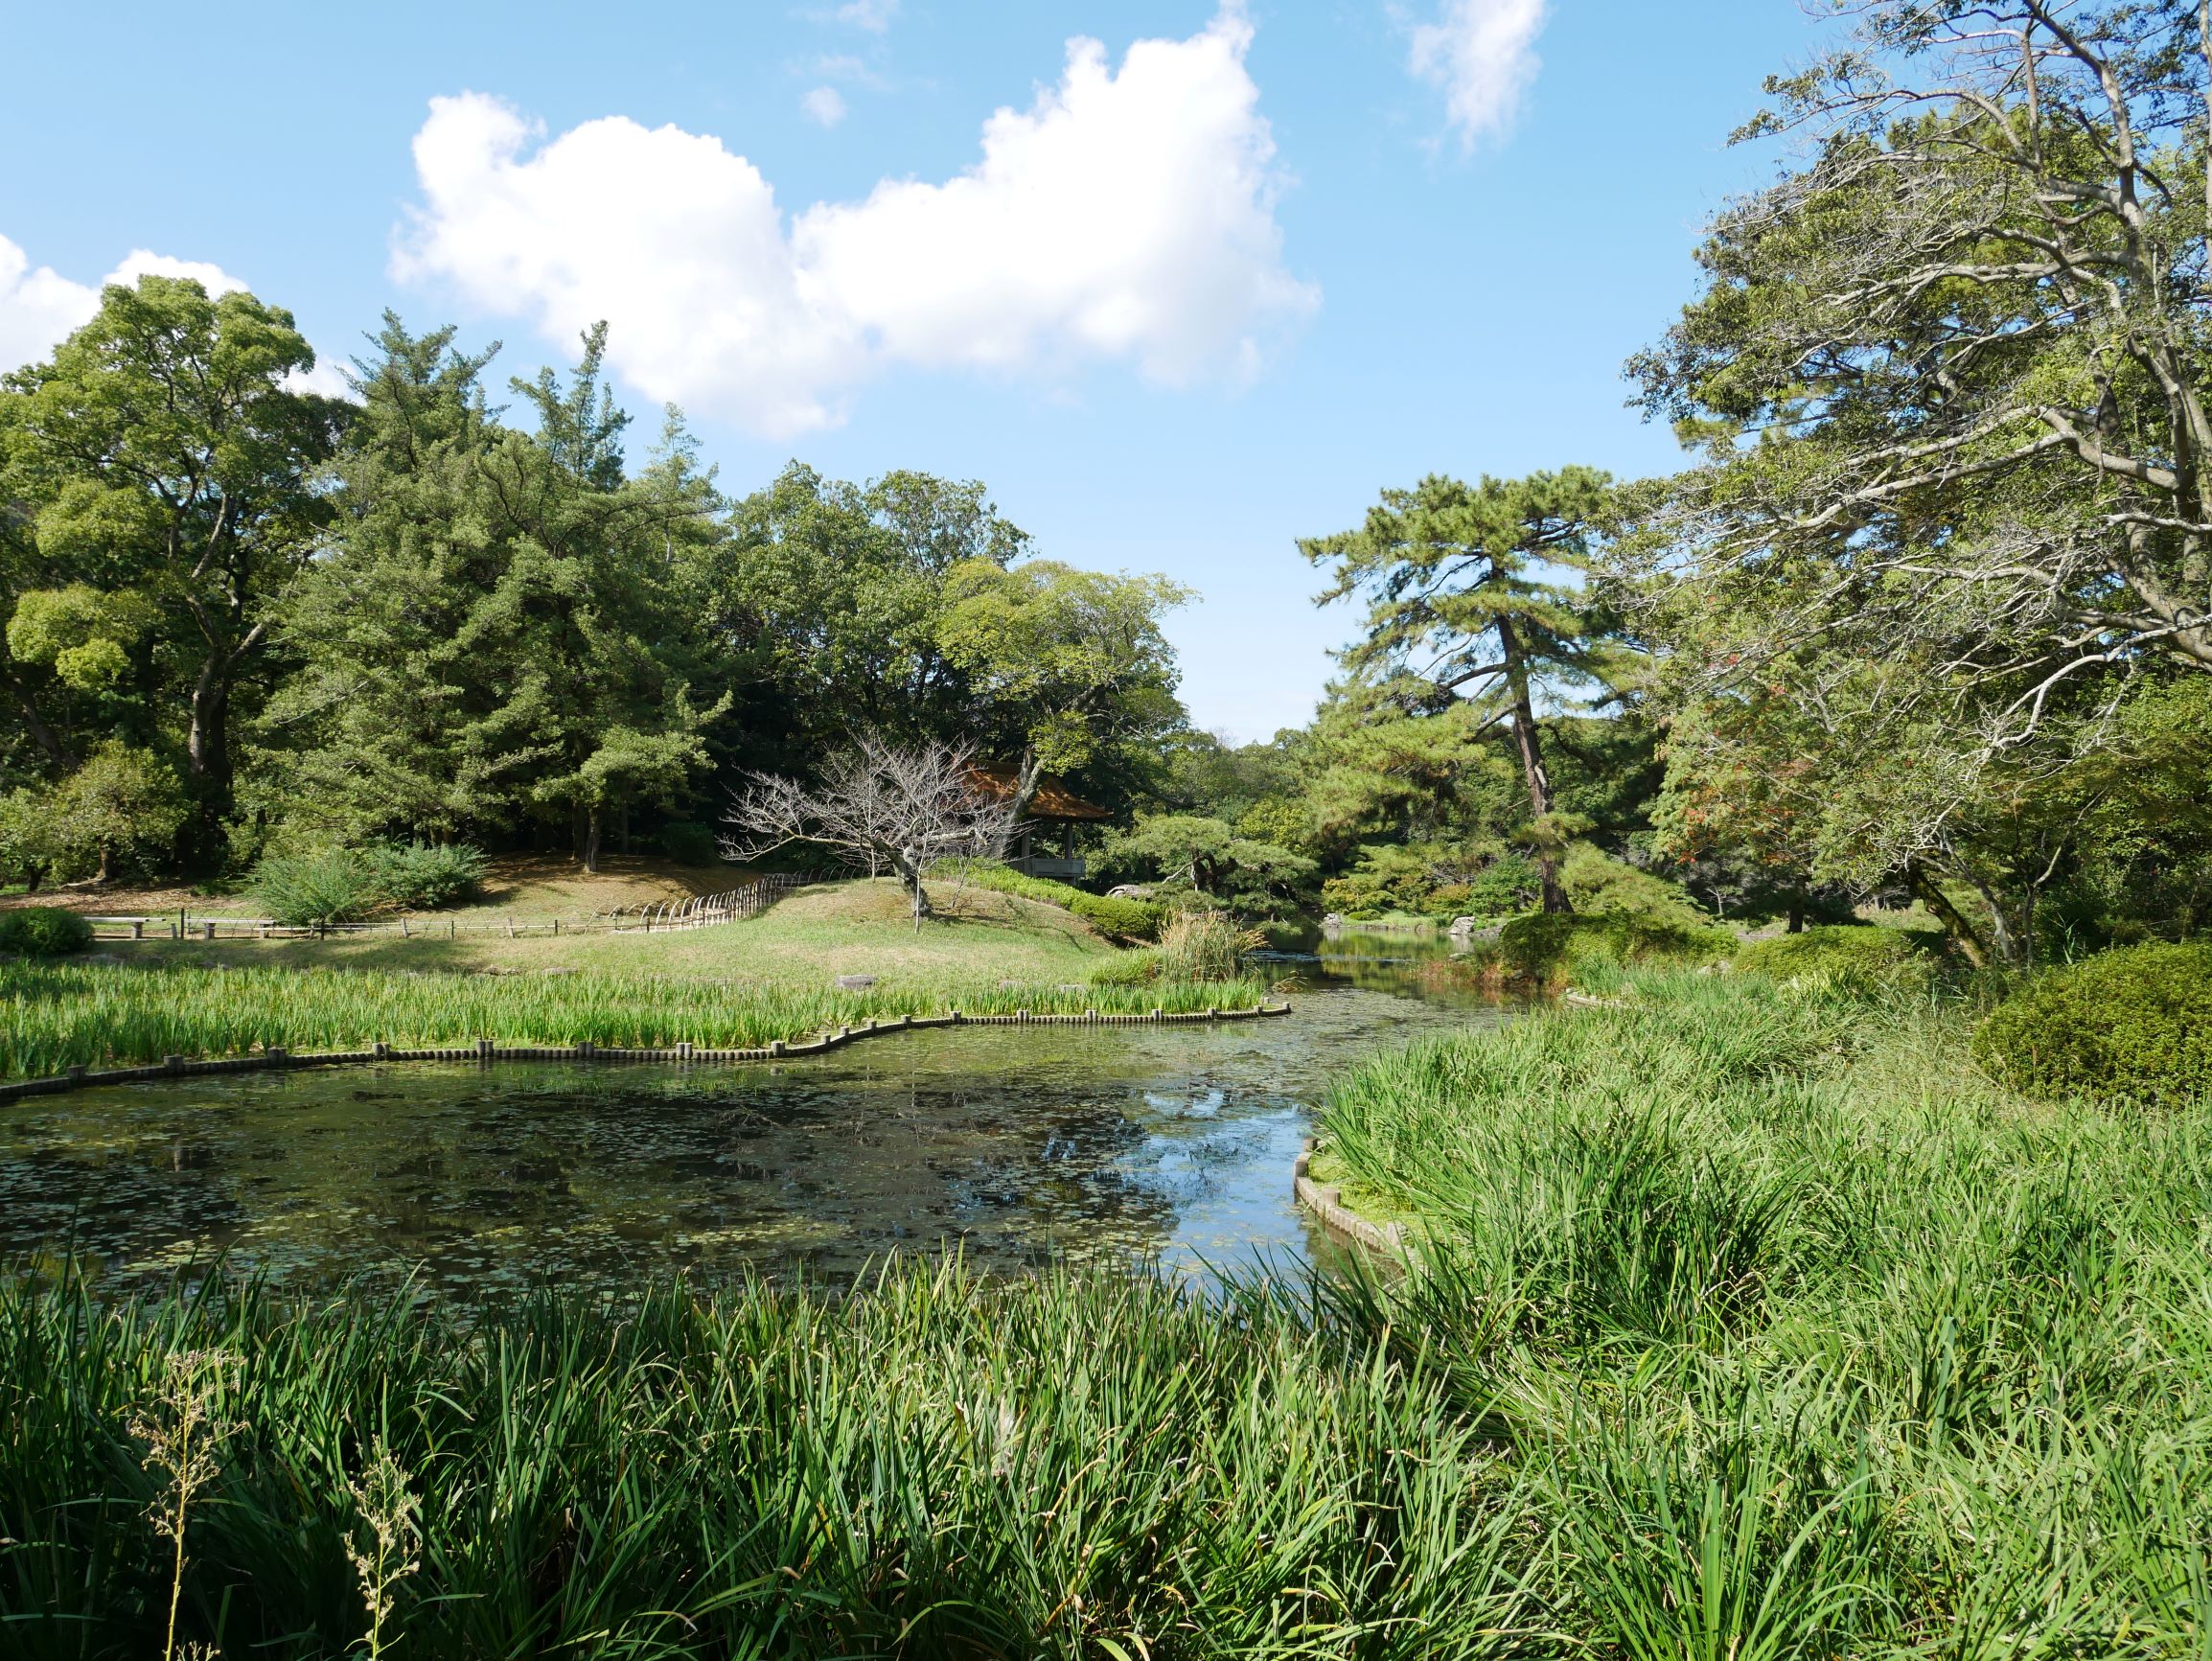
(855, 982)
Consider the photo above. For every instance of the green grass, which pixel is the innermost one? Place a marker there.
(1094, 1466)
(1810, 1340)
(802, 941)
(56, 1016)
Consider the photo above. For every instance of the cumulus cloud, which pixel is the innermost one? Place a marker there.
(873, 15)
(41, 308)
(1126, 214)
(824, 104)
(1483, 54)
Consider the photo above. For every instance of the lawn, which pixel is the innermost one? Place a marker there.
(528, 886)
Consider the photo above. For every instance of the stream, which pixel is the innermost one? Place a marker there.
(1019, 1144)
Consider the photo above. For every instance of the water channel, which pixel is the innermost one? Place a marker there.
(1020, 1144)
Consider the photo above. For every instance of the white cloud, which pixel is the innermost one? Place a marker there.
(1125, 214)
(873, 15)
(1482, 53)
(824, 104)
(41, 308)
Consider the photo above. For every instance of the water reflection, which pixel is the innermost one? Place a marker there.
(1019, 1144)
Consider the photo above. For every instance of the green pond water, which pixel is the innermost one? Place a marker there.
(1019, 1145)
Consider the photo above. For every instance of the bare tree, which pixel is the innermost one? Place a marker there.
(878, 804)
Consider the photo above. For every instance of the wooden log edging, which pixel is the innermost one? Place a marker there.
(1325, 1201)
(484, 1052)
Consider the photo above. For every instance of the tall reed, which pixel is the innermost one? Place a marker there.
(57, 1016)
(1807, 1339)
(1063, 1466)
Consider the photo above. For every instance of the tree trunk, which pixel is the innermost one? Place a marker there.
(591, 827)
(1026, 777)
(106, 863)
(207, 754)
(911, 873)
(1939, 904)
(1796, 914)
(2011, 928)
(57, 749)
(1531, 760)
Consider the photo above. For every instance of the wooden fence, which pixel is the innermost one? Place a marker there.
(699, 912)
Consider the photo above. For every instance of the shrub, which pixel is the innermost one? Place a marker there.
(422, 877)
(1431, 880)
(43, 932)
(1857, 957)
(1119, 919)
(306, 891)
(2132, 1024)
(1598, 884)
(690, 844)
(1544, 949)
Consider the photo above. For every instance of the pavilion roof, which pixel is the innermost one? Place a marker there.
(1052, 801)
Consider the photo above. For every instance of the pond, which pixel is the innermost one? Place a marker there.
(1019, 1144)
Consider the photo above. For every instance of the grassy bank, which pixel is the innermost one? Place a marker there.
(53, 1017)
(848, 928)
(733, 985)
(1808, 1339)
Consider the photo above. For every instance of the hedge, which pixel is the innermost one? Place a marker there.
(2133, 1024)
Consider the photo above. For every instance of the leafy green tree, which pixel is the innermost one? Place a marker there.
(122, 804)
(1066, 669)
(509, 624)
(1464, 597)
(827, 603)
(1211, 859)
(1955, 496)
(162, 451)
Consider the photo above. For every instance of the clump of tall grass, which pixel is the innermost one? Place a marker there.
(346, 885)
(1066, 1466)
(54, 1016)
(1808, 1338)
(1204, 946)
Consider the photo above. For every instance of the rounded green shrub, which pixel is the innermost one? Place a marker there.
(422, 877)
(1860, 958)
(1119, 919)
(1544, 948)
(43, 932)
(2134, 1023)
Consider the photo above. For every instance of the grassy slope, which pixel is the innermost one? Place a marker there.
(526, 885)
(806, 939)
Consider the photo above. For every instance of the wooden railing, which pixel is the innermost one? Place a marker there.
(702, 910)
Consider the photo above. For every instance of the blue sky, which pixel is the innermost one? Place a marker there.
(1177, 304)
